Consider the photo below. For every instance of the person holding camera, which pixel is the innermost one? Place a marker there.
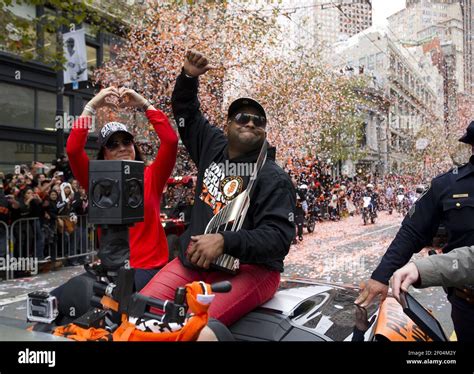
(62, 168)
(5, 207)
(30, 233)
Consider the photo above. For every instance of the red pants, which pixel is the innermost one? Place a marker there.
(251, 287)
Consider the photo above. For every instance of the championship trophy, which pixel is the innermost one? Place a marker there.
(232, 216)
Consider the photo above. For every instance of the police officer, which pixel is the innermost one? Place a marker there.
(370, 192)
(301, 209)
(450, 202)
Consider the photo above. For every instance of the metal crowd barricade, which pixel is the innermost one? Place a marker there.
(62, 240)
(4, 246)
(25, 242)
(74, 239)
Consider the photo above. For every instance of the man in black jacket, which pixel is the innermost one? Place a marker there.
(224, 166)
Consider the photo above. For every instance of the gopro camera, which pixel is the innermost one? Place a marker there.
(41, 307)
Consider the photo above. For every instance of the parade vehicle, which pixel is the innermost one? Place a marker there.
(322, 211)
(402, 204)
(310, 219)
(302, 310)
(368, 210)
(309, 310)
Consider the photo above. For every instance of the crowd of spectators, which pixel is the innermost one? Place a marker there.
(49, 209)
(338, 196)
(59, 204)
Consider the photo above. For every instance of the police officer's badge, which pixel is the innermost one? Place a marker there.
(413, 208)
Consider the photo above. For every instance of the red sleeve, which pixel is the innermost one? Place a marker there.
(75, 148)
(163, 165)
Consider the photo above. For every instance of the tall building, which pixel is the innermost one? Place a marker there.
(339, 20)
(413, 86)
(421, 14)
(298, 22)
(468, 24)
(437, 26)
(450, 34)
(314, 24)
(355, 18)
(414, 2)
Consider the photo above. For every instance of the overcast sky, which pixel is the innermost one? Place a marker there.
(383, 8)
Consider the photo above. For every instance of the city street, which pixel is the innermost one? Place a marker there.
(342, 252)
(347, 252)
(140, 130)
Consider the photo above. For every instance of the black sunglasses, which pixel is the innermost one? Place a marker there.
(114, 144)
(244, 118)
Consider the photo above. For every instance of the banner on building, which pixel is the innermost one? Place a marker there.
(75, 69)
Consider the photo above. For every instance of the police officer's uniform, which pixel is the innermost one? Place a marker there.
(450, 202)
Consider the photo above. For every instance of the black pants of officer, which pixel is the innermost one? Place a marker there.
(299, 221)
(462, 314)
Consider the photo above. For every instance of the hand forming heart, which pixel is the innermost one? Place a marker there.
(117, 98)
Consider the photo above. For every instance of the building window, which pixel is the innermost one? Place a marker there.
(20, 153)
(15, 153)
(45, 153)
(379, 60)
(91, 59)
(47, 109)
(371, 62)
(363, 137)
(50, 44)
(111, 47)
(91, 31)
(50, 37)
(18, 106)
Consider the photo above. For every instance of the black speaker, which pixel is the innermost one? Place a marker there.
(116, 192)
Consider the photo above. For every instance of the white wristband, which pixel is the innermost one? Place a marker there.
(90, 109)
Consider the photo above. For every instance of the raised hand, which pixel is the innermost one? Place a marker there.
(130, 98)
(196, 64)
(107, 97)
